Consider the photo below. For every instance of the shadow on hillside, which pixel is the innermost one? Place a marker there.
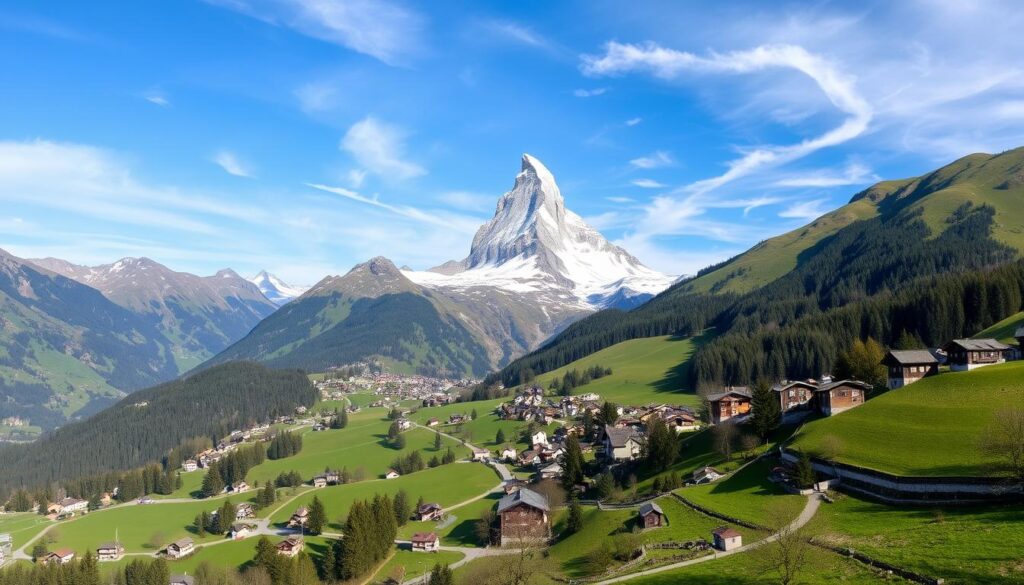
(677, 378)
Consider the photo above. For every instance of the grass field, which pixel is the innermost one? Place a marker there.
(480, 431)
(644, 371)
(448, 485)
(961, 545)
(930, 428)
(406, 564)
(461, 530)
(191, 486)
(746, 495)
(362, 444)
(22, 526)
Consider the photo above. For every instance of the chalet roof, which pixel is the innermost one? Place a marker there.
(838, 383)
(184, 542)
(110, 546)
(783, 386)
(523, 496)
(911, 356)
(619, 437)
(424, 537)
(64, 553)
(979, 344)
(429, 506)
(706, 471)
(725, 532)
(738, 391)
(648, 507)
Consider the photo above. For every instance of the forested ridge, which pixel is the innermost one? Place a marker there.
(147, 425)
(890, 277)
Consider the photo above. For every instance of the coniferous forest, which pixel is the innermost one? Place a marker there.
(889, 278)
(146, 426)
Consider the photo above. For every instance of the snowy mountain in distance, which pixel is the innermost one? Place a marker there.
(534, 245)
(278, 291)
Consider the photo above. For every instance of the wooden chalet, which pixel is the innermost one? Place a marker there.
(651, 516)
(795, 396)
(299, 518)
(733, 402)
(909, 366)
(621, 444)
(524, 517)
(289, 547)
(968, 354)
(180, 548)
(59, 557)
(836, 397)
(430, 511)
(110, 551)
(426, 542)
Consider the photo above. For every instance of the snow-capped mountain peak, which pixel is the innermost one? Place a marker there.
(275, 289)
(533, 243)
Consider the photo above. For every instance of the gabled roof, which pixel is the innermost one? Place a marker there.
(182, 543)
(737, 391)
(783, 386)
(619, 437)
(979, 344)
(424, 537)
(832, 385)
(910, 357)
(725, 532)
(648, 507)
(523, 496)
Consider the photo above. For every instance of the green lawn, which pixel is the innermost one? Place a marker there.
(961, 545)
(448, 485)
(746, 495)
(409, 565)
(191, 486)
(461, 530)
(362, 444)
(644, 371)
(930, 428)
(22, 526)
(480, 431)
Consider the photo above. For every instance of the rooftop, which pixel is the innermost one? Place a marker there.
(913, 356)
(648, 507)
(523, 496)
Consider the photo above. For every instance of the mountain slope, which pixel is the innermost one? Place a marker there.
(373, 311)
(786, 307)
(201, 316)
(65, 349)
(275, 289)
(535, 245)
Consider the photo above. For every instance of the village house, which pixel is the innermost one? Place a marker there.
(426, 542)
(320, 481)
(529, 457)
(404, 424)
(59, 557)
(733, 402)
(109, 551)
(240, 486)
(69, 506)
(290, 546)
(909, 366)
(244, 510)
(433, 422)
(332, 477)
(430, 511)
(651, 516)
(550, 471)
(180, 548)
(726, 539)
(299, 518)
(507, 453)
(539, 438)
(183, 580)
(189, 465)
(967, 354)
(706, 475)
(794, 396)
(621, 444)
(240, 531)
(524, 517)
(513, 485)
(836, 397)
(392, 474)
(681, 420)
(480, 454)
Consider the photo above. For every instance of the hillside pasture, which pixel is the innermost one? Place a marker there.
(929, 428)
(22, 526)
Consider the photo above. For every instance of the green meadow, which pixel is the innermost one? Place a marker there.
(448, 485)
(929, 428)
(746, 495)
(644, 371)
(22, 526)
(1004, 330)
(406, 564)
(460, 526)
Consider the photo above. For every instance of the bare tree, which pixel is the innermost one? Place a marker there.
(723, 436)
(786, 556)
(1004, 440)
(524, 561)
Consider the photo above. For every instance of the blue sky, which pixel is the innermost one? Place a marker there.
(196, 133)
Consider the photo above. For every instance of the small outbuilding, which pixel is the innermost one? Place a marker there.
(651, 516)
(727, 538)
(426, 542)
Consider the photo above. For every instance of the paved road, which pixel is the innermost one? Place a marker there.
(813, 501)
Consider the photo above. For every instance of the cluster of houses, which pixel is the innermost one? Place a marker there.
(961, 355)
(393, 388)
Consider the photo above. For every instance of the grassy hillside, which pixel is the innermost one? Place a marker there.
(652, 369)
(930, 428)
(1003, 330)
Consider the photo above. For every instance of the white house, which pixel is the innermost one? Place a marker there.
(392, 474)
(727, 539)
(706, 475)
(426, 542)
(539, 438)
(180, 548)
(621, 444)
(190, 465)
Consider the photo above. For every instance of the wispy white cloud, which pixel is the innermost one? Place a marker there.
(634, 121)
(457, 222)
(518, 33)
(157, 99)
(585, 93)
(648, 183)
(386, 30)
(316, 96)
(618, 199)
(231, 164)
(853, 174)
(380, 148)
(465, 200)
(655, 160)
(805, 210)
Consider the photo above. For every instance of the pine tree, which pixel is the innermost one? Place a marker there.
(499, 437)
(437, 441)
(200, 525)
(401, 505)
(574, 523)
(765, 410)
(662, 445)
(328, 563)
(317, 516)
(304, 571)
(805, 476)
(213, 484)
(572, 464)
